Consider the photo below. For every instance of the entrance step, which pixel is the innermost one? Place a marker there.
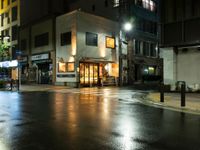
(110, 81)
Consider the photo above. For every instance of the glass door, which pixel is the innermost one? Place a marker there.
(89, 74)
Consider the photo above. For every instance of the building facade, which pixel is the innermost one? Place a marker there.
(144, 63)
(37, 43)
(180, 42)
(10, 21)
(31, 24)
(86, 51)
(103, 8)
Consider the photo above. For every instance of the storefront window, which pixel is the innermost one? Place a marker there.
(70, 67)
(149, 70)
(62, 67)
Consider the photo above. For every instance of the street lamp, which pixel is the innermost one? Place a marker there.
(127, 26)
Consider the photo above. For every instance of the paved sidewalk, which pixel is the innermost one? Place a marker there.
(41, 87)
(173, 100)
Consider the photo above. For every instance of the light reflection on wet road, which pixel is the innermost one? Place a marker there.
(91, 118)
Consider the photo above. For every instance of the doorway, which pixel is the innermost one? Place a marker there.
(89, 74)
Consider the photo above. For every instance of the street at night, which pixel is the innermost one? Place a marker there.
(92, 118)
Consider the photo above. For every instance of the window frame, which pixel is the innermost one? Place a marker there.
(38, 37)
(88, 41)
(68, 40)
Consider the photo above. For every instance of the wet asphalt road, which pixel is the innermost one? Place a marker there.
(92, 119)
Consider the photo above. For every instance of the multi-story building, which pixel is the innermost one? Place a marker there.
(39, 61)
(180, 42)
(10, 21)
(144, 64)
(37, 39)
(86, 49)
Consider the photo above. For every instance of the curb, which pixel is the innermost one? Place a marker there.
(143, 98)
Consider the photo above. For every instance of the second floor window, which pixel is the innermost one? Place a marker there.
(14, 13)
(66, 38)
(91, 39)
(14, 32)
(23, 45)
(2, 4)
(42, 40)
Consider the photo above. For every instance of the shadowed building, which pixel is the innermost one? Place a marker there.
(144, 64)
(180, 42)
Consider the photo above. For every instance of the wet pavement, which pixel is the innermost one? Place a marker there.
(92, 119)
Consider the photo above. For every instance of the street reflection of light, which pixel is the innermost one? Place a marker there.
(105, 107)
(106, 92)
(128, 131)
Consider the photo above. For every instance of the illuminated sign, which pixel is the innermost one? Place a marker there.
(40, 57)
(110, 42)
(6, 64)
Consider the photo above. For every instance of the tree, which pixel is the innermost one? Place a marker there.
(4, 50)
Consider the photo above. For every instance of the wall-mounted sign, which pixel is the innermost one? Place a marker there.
(40, 57)
(6, 64)
(110, 42)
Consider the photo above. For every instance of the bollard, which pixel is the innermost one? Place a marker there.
(17, 85)
(162, 93)
(182, 95)
(11, 85)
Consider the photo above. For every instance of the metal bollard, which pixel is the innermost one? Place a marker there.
(162, 93)
(11, 85)
(182, 95)
(17, 85)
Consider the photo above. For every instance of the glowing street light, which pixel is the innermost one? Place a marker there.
(128, 26)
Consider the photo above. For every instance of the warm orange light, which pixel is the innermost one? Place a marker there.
(70, 67)
(62, 67)
(110, 42)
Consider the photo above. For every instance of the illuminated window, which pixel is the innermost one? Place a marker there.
(110, 42)
(62, 67)
(116, 3)
(70, 66)
(147, 4)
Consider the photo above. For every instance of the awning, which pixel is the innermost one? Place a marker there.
(95, 60)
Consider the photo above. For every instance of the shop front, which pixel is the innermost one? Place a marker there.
(9, 70)
(23, 64)
(98, 73)
(42, 69)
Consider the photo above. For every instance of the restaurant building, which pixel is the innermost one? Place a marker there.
(86, 50)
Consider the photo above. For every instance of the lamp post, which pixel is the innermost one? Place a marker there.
(126, 27)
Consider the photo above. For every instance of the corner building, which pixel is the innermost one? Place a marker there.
(86, 51)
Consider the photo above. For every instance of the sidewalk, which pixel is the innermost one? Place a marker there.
(41, 87)
(173, 101)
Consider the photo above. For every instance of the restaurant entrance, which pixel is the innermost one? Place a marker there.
(89, 74)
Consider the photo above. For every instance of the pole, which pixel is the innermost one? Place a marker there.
(19, 77)
(182, 95)
(120, 59)
(162, 93)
